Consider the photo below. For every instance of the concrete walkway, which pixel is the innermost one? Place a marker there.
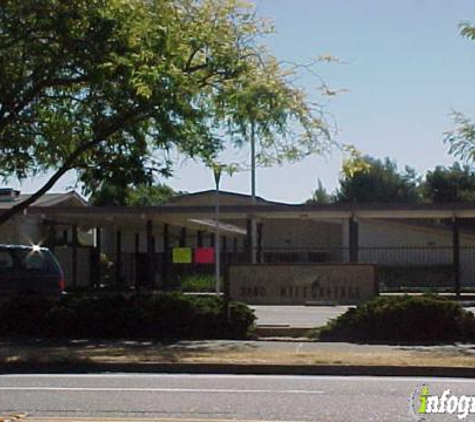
(297, 316)
(307, 316)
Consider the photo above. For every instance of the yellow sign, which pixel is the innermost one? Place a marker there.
(182, 256)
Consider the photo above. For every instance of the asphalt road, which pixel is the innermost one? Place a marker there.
(283, 398)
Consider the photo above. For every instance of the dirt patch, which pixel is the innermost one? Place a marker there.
(232, 352)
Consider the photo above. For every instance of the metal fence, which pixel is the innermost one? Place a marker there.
(398, 267)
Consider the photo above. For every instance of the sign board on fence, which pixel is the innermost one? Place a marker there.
(182, 256)
(204, 255)
(279, 284)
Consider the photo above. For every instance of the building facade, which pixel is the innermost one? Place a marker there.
(412, 245)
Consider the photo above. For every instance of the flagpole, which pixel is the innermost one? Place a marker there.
(217, 177)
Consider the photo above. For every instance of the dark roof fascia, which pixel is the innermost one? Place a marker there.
(449, 206)
(163, 209)
(250, 208)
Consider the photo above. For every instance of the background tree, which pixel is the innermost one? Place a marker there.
(143, 195)
(151, 195)
(265, 107)
(461, 139)
(109, 87)
(367, 179)
(321, 195)
(449, 184)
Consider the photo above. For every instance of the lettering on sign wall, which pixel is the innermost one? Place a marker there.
(294, 284)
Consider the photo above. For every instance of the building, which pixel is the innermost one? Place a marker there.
(30, 228)
(425, 245)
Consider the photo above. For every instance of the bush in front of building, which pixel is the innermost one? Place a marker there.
(403, 319)
(23, 315)
(198, 283)
(104, 315)
(126, 316)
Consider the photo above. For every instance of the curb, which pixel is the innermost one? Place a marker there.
(266, 331)
(235, 369)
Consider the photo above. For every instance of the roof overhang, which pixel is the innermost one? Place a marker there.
(176, 213)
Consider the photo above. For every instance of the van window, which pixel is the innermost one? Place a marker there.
(34, 261)
(6, 260)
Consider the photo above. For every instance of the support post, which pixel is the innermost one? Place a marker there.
(248, 241)
(74, 268)
(150, 255)
(224, 254)
(353, 241)
(199, 239)
(166, 256)
(217, 243)
(137, 261)
(253, 241)
(51, 236)
(183, 237)
(97, 271)
(259, 243)
(235, 254)
(456, 255)
(118, 260)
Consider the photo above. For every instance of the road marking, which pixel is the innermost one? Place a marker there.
(162, 390)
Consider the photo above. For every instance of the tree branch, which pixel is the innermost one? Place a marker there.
(68, 164)
(34, 92)
(117, 124)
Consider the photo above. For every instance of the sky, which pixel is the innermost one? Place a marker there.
(405, 68)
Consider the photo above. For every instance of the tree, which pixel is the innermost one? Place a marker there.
(109, 88)
(143, 195)
(367, 179)
(150, 195)
(461, 139)
(321, 195)
(264, 108)
(450, 184)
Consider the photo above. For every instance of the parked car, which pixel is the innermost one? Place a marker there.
(29, 270)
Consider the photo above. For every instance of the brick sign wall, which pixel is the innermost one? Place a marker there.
(298, 284)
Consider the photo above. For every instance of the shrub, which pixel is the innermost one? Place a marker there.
(94, 316)
(198, 283)
(24, 315)
(174, 315)
(114, 315)
(403, 319)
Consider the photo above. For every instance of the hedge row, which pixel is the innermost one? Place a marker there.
(114, 315)
(412, 319)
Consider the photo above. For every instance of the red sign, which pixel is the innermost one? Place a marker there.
(204, 255)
